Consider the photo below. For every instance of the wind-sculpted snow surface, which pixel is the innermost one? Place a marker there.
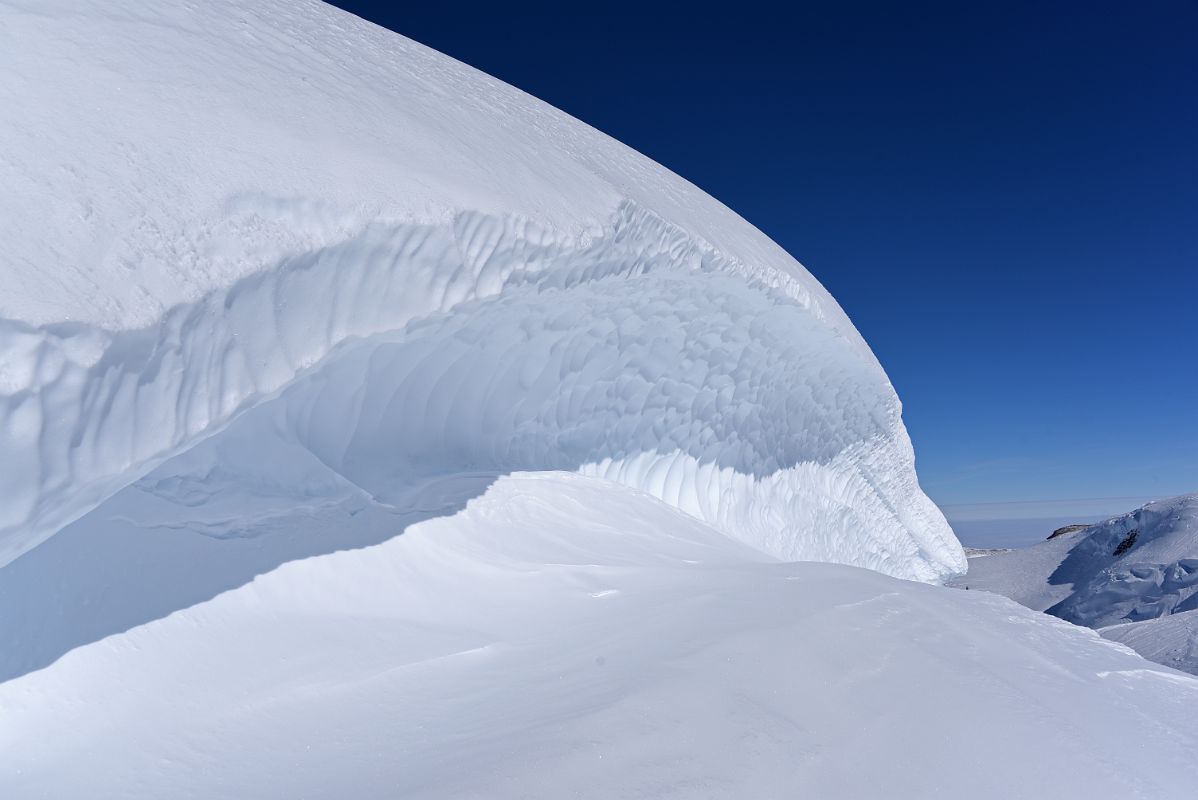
(566, 637)
(638, 357)
(421, 272)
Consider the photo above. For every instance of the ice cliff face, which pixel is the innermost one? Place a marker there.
(248, 231)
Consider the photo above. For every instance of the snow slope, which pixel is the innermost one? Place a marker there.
(1171, 640)
(566, 636)
(1023, 574)
(212, 208)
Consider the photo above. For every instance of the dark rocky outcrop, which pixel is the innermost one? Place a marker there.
(1127, 543)
(1066, 529)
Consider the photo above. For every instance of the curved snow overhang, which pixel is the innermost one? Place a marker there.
(492, 345)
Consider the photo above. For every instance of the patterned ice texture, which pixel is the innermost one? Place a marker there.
(276, 222)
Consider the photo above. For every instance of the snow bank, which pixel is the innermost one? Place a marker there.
(423, 271)
(565, 636)
(1171, 640)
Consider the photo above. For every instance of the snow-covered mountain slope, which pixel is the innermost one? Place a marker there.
(1122, 572)
(567, 636)
(1140, 565)
(1137, 566)
(1171, 640)
(212, 208)
(1023, 573)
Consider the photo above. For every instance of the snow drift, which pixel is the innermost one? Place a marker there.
(566, 636)
(414, 274)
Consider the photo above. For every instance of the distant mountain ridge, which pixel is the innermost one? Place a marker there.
(1130, 569)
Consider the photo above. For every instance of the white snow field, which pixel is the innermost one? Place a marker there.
(1127, 572)
(1171, 640)
(565, 636)
(372, 429)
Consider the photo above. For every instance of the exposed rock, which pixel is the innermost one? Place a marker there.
(978, 552)
(1127, 543)
(1067, 529)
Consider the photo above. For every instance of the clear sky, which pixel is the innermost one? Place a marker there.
(1003, 197)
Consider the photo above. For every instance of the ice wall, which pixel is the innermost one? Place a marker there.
(421, 273)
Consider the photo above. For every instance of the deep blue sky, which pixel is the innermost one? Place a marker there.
(1003, 197)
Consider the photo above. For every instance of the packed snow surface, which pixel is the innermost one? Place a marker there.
(214, 208)
(567, 636)
(1171, 640)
